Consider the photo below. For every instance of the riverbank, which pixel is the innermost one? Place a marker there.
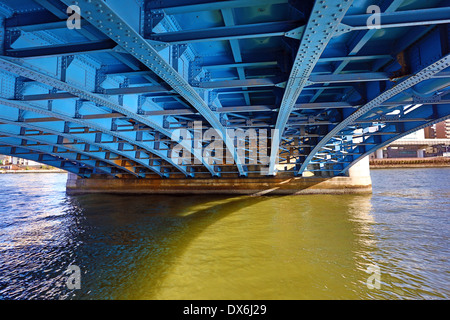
(33, 171)
(434, 162)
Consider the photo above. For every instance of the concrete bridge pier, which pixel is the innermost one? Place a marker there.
(357, 181)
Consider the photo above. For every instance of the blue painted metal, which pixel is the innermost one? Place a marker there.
(62, 49)
(86, 95)
(67, 156)
(185, 6)
(50, 148)
(106, 20)
(251, 31)
(392, 137)
(358, 41)
(323, 23)
(100, 138)
(108, 98)
(424, 74)
(48, 159)
(405, 18)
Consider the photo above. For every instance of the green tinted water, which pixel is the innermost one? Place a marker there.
(209, 247)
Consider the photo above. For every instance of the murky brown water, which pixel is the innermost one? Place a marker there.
(209, 247)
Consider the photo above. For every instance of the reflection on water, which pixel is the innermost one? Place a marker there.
(212, 247)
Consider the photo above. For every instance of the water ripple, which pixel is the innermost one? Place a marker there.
(161, 247)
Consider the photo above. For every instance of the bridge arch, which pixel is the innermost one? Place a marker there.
(333, 87)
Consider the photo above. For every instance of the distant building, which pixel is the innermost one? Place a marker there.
(419, 144)
(4, 159)
(416, 135)
(24, 162)
(442, 130)
(5, 162)
(429, 132)
(8, 161)
(439, 130)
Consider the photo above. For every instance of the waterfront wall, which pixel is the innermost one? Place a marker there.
(7, 171)
(409, 162)
(357, 181)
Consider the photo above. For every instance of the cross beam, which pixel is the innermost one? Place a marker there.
(321, 26)
(105, 19)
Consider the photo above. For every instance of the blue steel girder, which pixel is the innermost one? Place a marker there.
(62, 49)
(58, 162)
(229, 20)
(16, 127)
(438, 113)
(389, 19)
(359, 41)
(247, 64)
(259, 30)
(172, 7)
(85, 94)
(95, 98)
(106, 166)
(89, 124)
(424, 74)
(322, 24)
(105, 19)
(54, 140)
(48, 150)
(407, 18)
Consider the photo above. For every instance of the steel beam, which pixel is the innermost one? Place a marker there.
(58, 162)
(62, 49)
(66, 147)
(240, 64)
(48, 150)
(257, 30)
(359, 41)
(86, 95)
(136, 90)
(264, 82)
(84, 123)
(73, 137)
(228, 19)
(313, 79)
(407, 18)
(445, 114)
(322, 24)
(110, 92)
(171, 7)
(328, 59)
(101, 16)
(423, 75)
(48, 96)
(349, 77)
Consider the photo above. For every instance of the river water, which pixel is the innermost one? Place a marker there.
(215, 247)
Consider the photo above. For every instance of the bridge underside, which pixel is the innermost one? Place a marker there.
(200, 89)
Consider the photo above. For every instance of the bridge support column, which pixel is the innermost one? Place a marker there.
(357, 181)
(359, 173)
(379, 153)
